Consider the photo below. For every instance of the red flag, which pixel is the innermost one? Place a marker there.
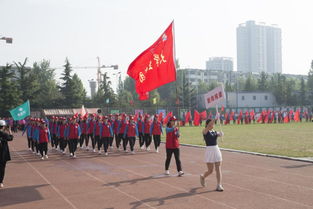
(155, 66)
(160, 118)
(196, 118)
(187, 117)
(223, 108)
(203, 115)
(170, 114)
(297, 116)
(136, 117)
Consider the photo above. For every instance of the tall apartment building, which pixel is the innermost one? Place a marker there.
(220, 63)
(259, 48)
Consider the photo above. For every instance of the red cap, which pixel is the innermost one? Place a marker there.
(173, 118)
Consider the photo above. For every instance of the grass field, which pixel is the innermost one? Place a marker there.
(292, 139)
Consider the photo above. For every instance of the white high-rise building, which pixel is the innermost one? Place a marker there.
(220, 63)
(259, 48)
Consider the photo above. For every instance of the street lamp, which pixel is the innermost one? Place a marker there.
(115, 67)
(8, 40)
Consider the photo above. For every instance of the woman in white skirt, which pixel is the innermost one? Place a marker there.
(213, 156)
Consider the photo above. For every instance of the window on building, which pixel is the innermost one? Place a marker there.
(242, 97)
(265, 97)
(254, 97)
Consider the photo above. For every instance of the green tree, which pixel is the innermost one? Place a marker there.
(302, 99)
(250, 84)
(9, 94)
(186, 92)
(78, 92)
(105, 95)
(262, 82)
(203, 88)
(27, 81)
(48, 94)
(310, 84)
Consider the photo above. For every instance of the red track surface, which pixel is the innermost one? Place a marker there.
(123, 180)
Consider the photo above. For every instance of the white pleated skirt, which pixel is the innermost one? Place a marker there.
(212, 154)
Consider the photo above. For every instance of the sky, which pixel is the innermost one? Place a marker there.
(117, 31)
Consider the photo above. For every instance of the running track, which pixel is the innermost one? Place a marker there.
(123, 180)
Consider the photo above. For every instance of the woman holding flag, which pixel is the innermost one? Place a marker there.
(213, 156)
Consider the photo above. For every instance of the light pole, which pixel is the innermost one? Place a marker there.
(115, 67)
(8, 40)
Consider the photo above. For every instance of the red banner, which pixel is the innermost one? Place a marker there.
(196, 118)
(155, 66)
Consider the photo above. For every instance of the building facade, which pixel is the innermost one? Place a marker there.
(220, 64)
(259, 48)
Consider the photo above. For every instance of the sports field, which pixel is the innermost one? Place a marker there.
(291, 139)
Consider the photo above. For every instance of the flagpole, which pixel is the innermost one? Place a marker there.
(219, 121)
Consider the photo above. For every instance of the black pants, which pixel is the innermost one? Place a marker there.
(2, 170)
(106, 142)
(72, 145)
(132, 141)
(111, 141)
(98, 141)
(125, 142)
(82, 139)
(43, 147)
(53, 141)
(148, 139)
(36, 146)
(169, 153)
(118, 140)
(141, 140)
(93, 142)
(29, 142)
(87, 139)
(156, 140)
(63, 143)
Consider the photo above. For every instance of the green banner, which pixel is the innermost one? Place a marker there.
(114, 111)
(21, 112)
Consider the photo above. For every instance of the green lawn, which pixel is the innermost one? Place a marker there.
(292, 139)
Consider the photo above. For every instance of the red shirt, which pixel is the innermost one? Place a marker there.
(73, 131)
(43, 135)
(156, 128)
(123, 126)
(131, 130)
(172, 139)
(106, 130)
(147, 127)
(62, 129)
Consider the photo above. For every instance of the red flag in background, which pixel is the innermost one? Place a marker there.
(196, 118)
(203, 115)
(297, 116)
(187, 117)
(170, 114)
(239, 117)
(160, 118)
(155, 66)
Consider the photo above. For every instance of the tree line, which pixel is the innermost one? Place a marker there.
(38, 84)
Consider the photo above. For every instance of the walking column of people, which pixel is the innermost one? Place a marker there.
(65, 135)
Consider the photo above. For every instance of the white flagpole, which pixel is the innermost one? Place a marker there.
(219, 121)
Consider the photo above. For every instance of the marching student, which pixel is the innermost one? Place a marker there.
(130, 134)
(146, 131)
(36, 132)
(84, 128)
(156, 131)
(213, 156)
(140, 130)
(28, 129)
(116, 124)
(106, 134)
(72, 133)
(172, 146)
(97, 133)
(43, 138)
(91, 129)
(61, 135)
(121, 130)
(111, 121)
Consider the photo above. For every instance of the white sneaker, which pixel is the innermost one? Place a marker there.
(180, 173)
(94, 150)
(111, 148)
(87, 148)
(71, 155)
(167, 172)
(30, 149)
(125, 151)
(1, 185)
(106, 154)
(38, 153)
(202, 181)
(34, 152)
(148, 148)
(74, 156)
(63, 152)
(42, 158)
(157, 150)
(46, 156)
(142, 147)
(219, 188)
(99, 152)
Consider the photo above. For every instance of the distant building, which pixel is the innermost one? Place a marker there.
(220, 64)
(259, 48)
(93, 86)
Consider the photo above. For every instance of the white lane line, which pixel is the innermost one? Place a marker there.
(46, 180)
(265, 194)
(170, 185)
(113, 187)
